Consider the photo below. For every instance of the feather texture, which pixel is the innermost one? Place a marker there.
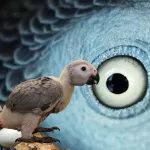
(35, 95)
(27, 30)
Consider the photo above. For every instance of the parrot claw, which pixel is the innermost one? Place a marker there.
(40, 129)
(54, 128)
(37, 139)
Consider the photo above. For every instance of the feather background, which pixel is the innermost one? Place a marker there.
(38, 38)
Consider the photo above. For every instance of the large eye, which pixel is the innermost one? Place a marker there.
(83, 68)
(123, 82)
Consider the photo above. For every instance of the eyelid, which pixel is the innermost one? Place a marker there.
(123, 113)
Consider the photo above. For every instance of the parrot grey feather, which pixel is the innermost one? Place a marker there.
(27, 29)
(33, 95)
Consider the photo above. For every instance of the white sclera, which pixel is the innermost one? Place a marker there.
(135, 74)
(8, 136)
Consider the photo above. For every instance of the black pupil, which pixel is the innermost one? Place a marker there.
(117, 83)
(83, 68)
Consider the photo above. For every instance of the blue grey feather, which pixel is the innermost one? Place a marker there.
(33, 31)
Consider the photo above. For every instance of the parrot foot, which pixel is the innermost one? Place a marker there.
(41, 129)
(37, 139)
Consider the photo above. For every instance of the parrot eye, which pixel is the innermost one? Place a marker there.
(83, 68)
(119, 82)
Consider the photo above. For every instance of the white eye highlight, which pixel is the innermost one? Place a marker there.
(123, 82)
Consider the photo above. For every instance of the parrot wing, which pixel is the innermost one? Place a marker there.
(35, 94)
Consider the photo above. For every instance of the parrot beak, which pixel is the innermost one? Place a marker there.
(93, 79)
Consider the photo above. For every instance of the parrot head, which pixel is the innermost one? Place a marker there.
(82, 72)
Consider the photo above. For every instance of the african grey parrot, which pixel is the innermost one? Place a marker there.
(33, 100)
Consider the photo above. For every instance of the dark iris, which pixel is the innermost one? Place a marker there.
(117, 83)
(83, 68)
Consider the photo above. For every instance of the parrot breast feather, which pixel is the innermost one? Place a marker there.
(36, 94)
